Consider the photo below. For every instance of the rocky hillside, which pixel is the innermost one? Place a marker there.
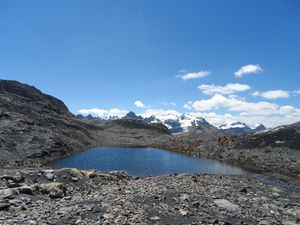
(283, 136)
(30, 92)
(38, 127)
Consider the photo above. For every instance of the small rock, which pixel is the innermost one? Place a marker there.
(184, 197)
(183, 212)
(263, 222)
(50, 176)
(196, 204)
(4, 206)
(244, 190)
(55, 190)
(155, 218)
(290, 223)
(75, 179)
(73, 172)
(66, 210)
(78, 221)
(91, 174)
(223, 203)
(108, 216)
(28, 190)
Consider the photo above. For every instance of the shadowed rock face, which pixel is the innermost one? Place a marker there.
(284, 136)
(30, 92)
(38, 127)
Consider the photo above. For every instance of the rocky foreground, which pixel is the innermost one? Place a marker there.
(70, 196)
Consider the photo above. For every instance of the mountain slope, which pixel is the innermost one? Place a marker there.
(285, 136)
(38, 127)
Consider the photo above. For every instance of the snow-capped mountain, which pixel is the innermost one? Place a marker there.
(177, 122)
(182, 122)
(236, 127)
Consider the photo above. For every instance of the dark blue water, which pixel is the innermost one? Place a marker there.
(143, 162)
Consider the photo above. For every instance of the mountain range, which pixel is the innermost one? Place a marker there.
(36, 128)
(186, 122)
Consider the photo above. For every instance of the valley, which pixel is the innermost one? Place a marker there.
(37, 128)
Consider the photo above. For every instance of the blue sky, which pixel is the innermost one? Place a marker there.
(110, 54)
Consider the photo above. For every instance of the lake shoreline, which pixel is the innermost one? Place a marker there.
(143, 162)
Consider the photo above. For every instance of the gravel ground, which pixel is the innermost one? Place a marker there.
(70, 196)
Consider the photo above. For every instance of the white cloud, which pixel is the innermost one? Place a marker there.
(288, 110)
(225, 90)
(139, 104)
(286, 115)
(248, 69)
(161, 114)
(188, 105)
(272, 94)
(233, 104)
(195, 75)
(103, 113)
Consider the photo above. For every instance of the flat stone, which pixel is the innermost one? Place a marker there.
(5, 193)
(223, 203)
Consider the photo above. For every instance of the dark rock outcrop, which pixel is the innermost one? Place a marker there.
(284, 136)
(132, 116)
(30, 92)
(35, 127)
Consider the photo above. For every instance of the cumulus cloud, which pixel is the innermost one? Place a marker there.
(194, 75)
(103, 113)
(282, 116)
(288, 110)
(139, 104)
(248, 69)
(224, 90)
(272, 94)
(233, 104)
